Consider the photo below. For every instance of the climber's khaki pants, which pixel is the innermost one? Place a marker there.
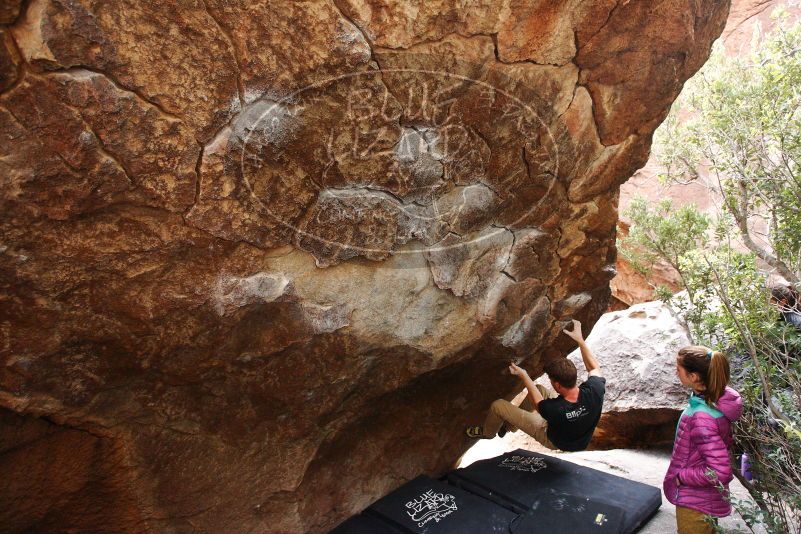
(522, 417)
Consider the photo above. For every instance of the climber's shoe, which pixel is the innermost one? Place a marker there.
(475, 432)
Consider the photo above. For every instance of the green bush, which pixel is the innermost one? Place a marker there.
(738, 131)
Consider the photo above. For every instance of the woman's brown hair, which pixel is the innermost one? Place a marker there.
(711, 366)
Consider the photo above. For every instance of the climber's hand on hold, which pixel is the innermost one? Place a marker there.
(533, 393)
(590, 362)
(575, 334)
(518, 371)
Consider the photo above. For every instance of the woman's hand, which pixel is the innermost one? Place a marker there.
(518, 371)
(575, 334)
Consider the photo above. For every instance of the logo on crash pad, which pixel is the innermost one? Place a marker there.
(431, 506)
(528, 464)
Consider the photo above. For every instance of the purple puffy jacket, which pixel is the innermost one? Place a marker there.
(702, 444)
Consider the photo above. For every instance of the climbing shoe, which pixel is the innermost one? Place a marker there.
(475, 432)
(502, 431)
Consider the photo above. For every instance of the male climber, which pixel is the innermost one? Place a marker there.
(564, 419)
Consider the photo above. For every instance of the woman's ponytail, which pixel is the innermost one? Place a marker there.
(717, 377)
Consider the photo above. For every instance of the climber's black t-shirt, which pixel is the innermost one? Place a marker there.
(571, 424)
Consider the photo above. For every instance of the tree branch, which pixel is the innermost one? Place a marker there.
(740, 214)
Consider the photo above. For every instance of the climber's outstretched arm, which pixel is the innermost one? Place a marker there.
(591, 364)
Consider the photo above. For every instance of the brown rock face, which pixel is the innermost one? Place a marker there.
(262, 261)
(58, 479)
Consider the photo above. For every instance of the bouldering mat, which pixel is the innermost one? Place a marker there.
(428, 506)
(567, 514)
(525, 481)
(365, 524)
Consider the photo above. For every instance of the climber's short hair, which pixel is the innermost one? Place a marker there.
(563, 371)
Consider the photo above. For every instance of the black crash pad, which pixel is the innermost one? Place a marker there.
(525, 481)
(364, 524)
(567, 514)
(427, 506)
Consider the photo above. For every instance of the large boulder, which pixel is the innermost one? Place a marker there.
(262, 261)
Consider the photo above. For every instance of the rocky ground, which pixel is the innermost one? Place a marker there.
(647, 466)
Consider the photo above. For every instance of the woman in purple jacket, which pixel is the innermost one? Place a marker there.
(700, 470)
